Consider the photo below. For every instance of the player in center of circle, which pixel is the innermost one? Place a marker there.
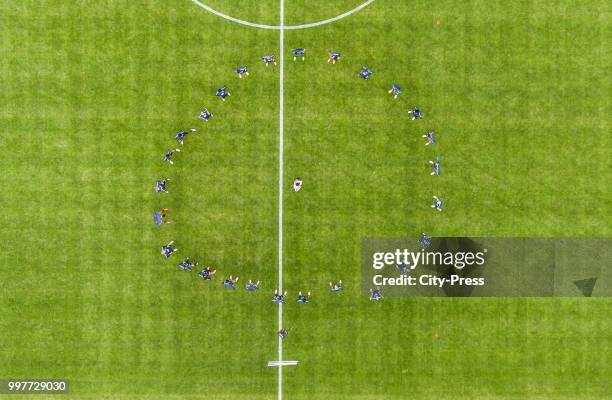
(333, 57)
(297, 184)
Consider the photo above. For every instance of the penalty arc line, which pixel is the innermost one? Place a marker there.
(281, 27)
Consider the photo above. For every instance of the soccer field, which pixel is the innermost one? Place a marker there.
(93, 92)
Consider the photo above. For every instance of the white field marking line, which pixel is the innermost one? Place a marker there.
(282, 27)
(281, 122)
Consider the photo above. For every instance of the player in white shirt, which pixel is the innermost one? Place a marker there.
(297, 184)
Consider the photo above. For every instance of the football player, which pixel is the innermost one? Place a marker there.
(168, 249)
(335, 287)
(437, 203)
(251, 287)
(303, 298)
(187, 265)
(241, 71)
(205, 115)
(365, 73)
(160, 186)
(431, 138)
(396, 90)
(298, 52)
(222, 93)
(375, 294)
(269, 60)
(416, 113)
(297, 184)
(180, 136)
(207, 273)
(436, 166)
(333, 57)
(279, 297)
(169, 154)
(230, 282)
(424, 240)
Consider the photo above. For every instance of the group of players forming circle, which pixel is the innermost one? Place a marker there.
(231, 282)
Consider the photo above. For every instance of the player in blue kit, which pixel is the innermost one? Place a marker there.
(365, 73)
(298, 52)
(431, 138)
(279, 297)
(303, 298)
(396, 90)
(241, 71)
(424, 241)
(403, 268)
(205, 115)
(375, 294)
(416, 113)
(160, 186)
(222, 93)
(335, 287)
(168, 249)
(333, 57)
(269, 60)
(187, 265)
(180, 136)
(169, 154)
(207, 274)
(230, 282)
(436, 166)
(437, 203)
(251, 287)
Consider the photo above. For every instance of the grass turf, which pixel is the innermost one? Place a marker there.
(92, 94)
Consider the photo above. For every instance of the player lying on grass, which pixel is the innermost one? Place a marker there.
(437, 203)
(222, 93)
(187, 265)
(297, 184)
(375, 294)
(303, 298)
(169, 154)
(207, 273)
(251, 287)
(230, 282)
(279, 297)
(365, 73)
(416, 113)
(396, 90)
(333, 57)
(424, 240)
(431, 138)
(168, 249)
(160, 186)
(242, 71)
(403, 269)
(436, 166)
(269, 59)
(205, 115)
(335, 287)
(160, 217)
(180, 136)
(298, 52)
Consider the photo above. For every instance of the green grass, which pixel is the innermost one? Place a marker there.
(92, 94)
